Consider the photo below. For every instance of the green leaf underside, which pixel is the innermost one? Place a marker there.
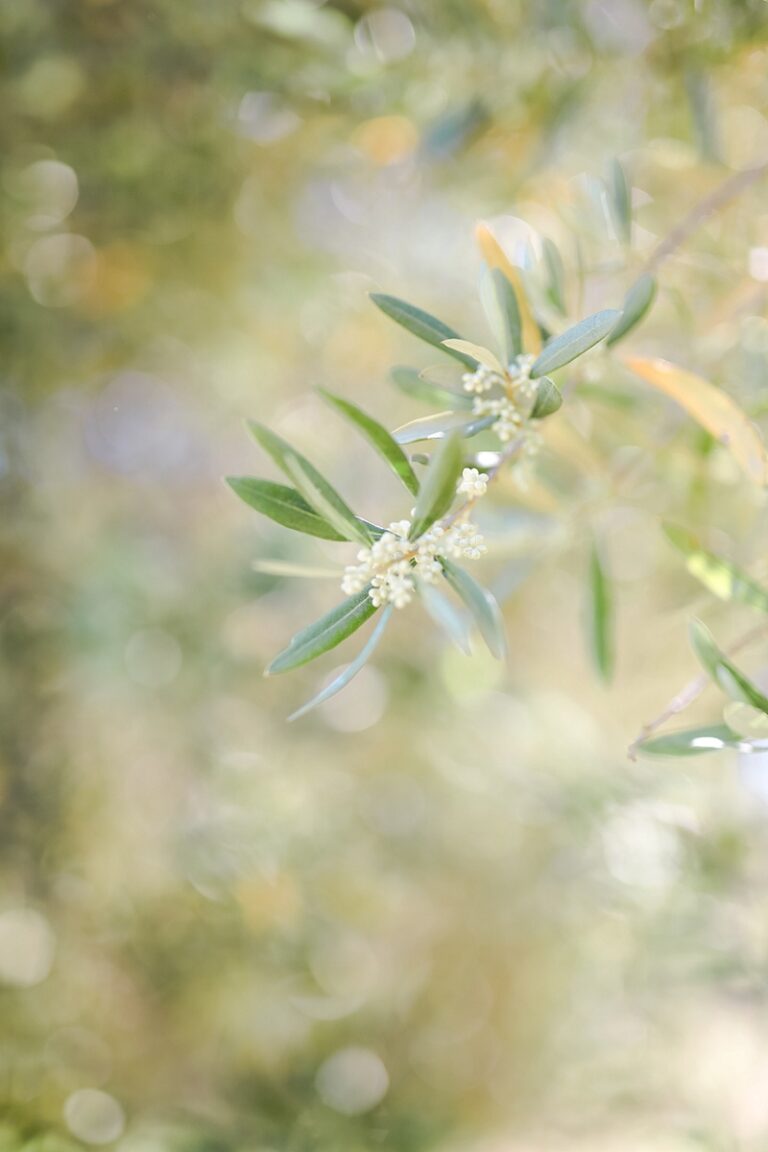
(447, 617)
(311, 485)
(562, 349)
(413, 384)
(325, 633)
(621, 200)
(730, 679)
(482, 605)
(691, 741)
(637, 303)
(380, 438)
(600, 616)
(548, 398)
(339, 682)
(441, 425)
(721, 577)
(502, 312)
(438, 487)
(287, 507)
(421, 324)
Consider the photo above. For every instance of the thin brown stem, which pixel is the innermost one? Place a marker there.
(714, 202)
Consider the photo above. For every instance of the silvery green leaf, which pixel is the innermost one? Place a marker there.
(421, 324)
(325, 633)
(637, 303)
(721, 577)
(288, 568)
(547, 400)
(438, 487)
(350, 671)
(477, 352)
(381, 440)
(600, 616)
(502, 311)
(440, 425)
(414, 384)
(446, 616)
(312, 486)
(555, 274)
(691, 741)
(562, 349)
(620, 195)
(482, 605)
(722, 671)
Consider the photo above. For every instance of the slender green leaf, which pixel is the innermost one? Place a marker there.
(284, 505)
(620, 196)
(420, 324)
(268, 567)
(447, 617)
(482, 605)
(637, 303)
(478, 353)
(547, 400)
(351, 670)
(441, 425)
(381, 440)
(600, 616)
(438, 488)
(325, 633)
(502, 311)
(413, 384)
(555, 275)
(312, 486)
(721, 577)
(725, 674)
(560, 350)
(691, 741)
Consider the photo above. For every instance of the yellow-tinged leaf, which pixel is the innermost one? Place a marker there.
(494, 257)
(477, 352)
(714, 409)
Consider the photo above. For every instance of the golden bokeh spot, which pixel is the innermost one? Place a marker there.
(121, 277)
(386, 139)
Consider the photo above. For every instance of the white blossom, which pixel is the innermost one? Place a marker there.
(508, 418)
(482, 380)
(473, 484)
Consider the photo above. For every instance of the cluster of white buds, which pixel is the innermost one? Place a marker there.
(473, 484)
(509, 419)
(482, 380)
(393, 564)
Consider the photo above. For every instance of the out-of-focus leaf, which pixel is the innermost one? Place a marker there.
(482, 605)
(725, 674)
(439, 426)
(502, 312)
(381, 440)
(350, 671)
(452, 130)
(690, 741)
(547, 400)
(446, 616)
(438, 488)
(721, 577)
(562, 349)
(637, 303)
(553, 263)
(620, 196)
(284, 505)
(600, 616)
(300, 571)
(412, 383)
(495, 257)
(747, 721)
(710, 407)
(312, 485)
(701, 99)
(421, 324)
(325, 633)
(476, 352)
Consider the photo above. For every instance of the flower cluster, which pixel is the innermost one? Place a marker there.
(393, 564)
(473, 484)
(482, 380)
(508, 418)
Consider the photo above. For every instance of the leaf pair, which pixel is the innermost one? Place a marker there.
(719, 576)
(730, 679)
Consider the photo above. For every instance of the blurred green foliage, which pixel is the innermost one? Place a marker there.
(445, 909)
